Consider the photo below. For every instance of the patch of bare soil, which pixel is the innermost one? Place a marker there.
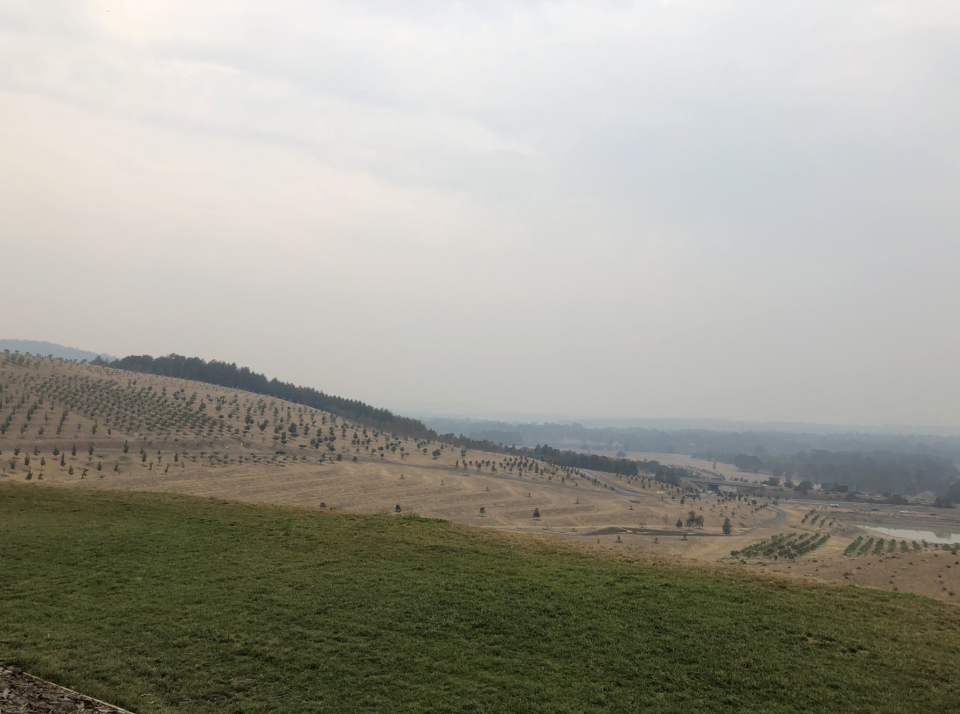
(926, 572)
(21, 692)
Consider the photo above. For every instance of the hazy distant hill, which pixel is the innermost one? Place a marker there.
(45, 349)
(707, 443)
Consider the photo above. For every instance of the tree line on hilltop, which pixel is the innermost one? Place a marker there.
(576, 460)
(227, 374)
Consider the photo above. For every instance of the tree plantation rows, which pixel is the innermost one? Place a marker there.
(232, 377)
(90, 420)
(71, 421)
(787, 546)
(814, 518)
(229, 375)
(154, 403)
(878, 546)
(45, 400)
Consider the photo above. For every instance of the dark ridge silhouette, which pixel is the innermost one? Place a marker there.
(227, 374)
(586, 461)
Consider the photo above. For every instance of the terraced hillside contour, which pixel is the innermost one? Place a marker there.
(92, 426)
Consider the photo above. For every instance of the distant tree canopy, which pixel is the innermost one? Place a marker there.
(952, 493)
(748, 463)
(665, 474)
(875, 472)
(575, 460)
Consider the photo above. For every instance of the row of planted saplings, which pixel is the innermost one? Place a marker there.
(787, 546)
(31, 460)
(128, 409)
(813, 515)
(132, 409)
(877, 546)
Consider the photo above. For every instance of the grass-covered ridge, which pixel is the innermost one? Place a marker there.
(163, 603)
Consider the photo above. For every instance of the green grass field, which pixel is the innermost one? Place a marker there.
(166, 603)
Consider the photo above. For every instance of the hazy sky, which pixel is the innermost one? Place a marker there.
(747, 210)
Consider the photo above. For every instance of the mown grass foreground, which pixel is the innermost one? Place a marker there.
(166, 603)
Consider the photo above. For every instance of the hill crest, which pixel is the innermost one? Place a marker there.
(42, 348)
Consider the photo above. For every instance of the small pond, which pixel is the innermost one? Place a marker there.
(910, 535)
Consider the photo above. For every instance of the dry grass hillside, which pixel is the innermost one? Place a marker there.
(88, 426)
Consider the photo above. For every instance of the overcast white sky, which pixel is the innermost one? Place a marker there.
(747, 210)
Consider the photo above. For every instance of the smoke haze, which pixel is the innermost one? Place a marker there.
(659, 209)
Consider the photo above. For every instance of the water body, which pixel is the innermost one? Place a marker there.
(908, 535)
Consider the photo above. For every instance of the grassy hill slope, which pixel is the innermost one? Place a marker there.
(165, 603)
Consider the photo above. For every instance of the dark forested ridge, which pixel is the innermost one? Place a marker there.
(586, 461)
(227, 374)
